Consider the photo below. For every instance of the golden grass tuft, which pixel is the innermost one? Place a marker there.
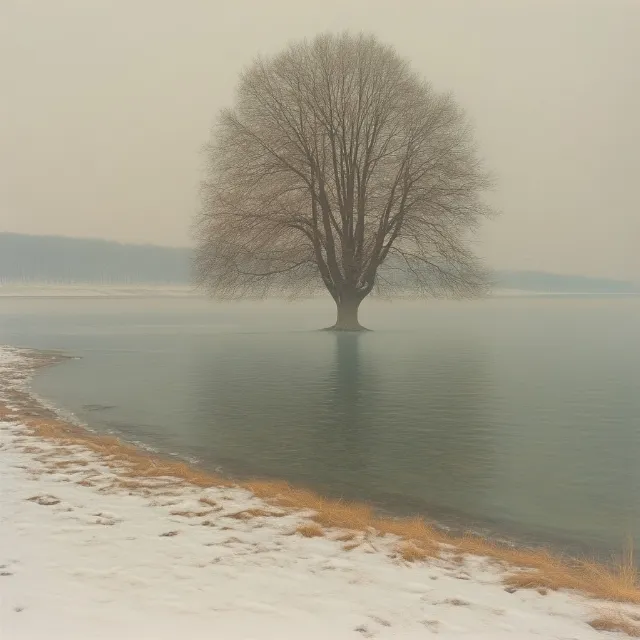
(208, 501)
(268, 488)
(410, 552)
(346, 536)
(31, 450)
(191, 514)
(347, 515)
(350, 546)
(413, 529)
(132, 485)
(310, 530)
(68, 464)
(456, 602)
(248, 514)
(618, 582)
(616, 621)
(44, 500)
(327, 512)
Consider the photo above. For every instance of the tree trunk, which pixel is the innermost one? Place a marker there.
(347, 319)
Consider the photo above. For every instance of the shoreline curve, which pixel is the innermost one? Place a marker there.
(413, 540)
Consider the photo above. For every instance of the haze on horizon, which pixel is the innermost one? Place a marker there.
(106, 106)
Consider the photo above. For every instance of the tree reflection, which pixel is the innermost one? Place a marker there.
(381, 417)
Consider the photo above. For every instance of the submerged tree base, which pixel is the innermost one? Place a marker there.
(347, 315)
(347, 329)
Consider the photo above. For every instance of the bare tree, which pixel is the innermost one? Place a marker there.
(338, 167)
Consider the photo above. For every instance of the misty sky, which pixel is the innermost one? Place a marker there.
(105, 105)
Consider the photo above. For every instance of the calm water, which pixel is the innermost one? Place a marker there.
(519, 416)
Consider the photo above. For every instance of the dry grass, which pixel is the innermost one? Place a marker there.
(248, 514)
(310, 530)
(456, 602)
(618, 582)
(5, 412)
(414, 530)
(208, 501)
(411, 552)
(61, 465)
(346, 536)
(531, 569)
(30, 449)
(327, 512)
(191, 514)
(46, 501)
(616, 621)
(132, 485)
(127, 459)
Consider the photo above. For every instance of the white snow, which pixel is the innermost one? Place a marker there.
(98, 562)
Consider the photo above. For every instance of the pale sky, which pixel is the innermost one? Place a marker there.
(105, 105)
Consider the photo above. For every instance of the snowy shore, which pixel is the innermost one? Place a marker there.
(88, 551)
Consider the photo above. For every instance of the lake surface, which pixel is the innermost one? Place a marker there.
(517, 416)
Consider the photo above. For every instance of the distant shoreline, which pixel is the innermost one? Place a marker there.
(100, 291)
(186, 291)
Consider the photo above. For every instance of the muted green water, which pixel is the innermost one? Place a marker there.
(514, 416)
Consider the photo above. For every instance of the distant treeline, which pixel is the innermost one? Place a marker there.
(59, 260)
(556, 283)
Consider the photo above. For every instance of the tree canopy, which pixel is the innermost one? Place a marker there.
(338, 167)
